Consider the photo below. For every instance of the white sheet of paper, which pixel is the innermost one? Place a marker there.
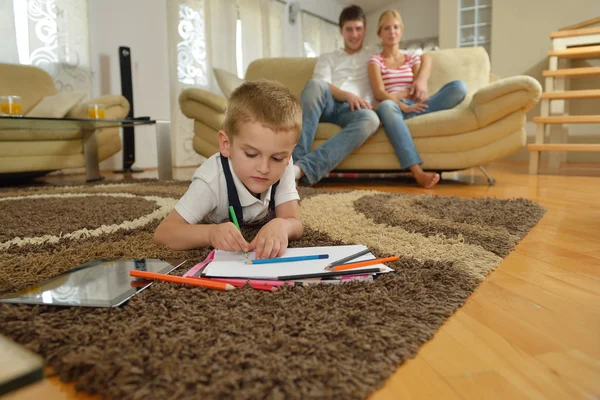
(233, 265)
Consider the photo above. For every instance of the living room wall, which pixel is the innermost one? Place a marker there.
(419, 16)
(520, 41)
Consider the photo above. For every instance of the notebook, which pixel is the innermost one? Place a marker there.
(233, 265)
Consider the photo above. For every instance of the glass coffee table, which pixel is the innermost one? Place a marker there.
(88, 129)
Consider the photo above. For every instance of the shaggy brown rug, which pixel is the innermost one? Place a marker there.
(178, 342)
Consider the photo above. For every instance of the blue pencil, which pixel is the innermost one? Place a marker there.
(288, 259)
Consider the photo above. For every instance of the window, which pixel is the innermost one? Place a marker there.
(475, 24)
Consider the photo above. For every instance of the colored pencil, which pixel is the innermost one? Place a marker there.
(359, 264)
(235, 222)
(346, 259)
(207, 283)
(329, 274)
(287, 259)
(258, 286)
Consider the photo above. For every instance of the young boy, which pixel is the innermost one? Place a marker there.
(253, 173)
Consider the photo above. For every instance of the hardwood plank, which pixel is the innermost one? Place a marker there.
(528, 375)
(419, 381)
(450, 358)
(572, 94)
(581, 370)
(536, 271)
(540, 297)
(584, 264)
(573, 72)
(487, 385)
(564, 147)
(568, 119)
(529, 327)
(576, 52)
(575, 32)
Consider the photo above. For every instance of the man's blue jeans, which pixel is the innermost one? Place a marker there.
(392, 118)
(318, 105)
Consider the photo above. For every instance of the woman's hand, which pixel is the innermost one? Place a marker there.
(418, 90)
(416, 108)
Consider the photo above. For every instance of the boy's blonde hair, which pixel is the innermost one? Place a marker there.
(264, 101)
(390, 13)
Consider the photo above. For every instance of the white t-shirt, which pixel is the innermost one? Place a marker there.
(206, 199)
(348, 72)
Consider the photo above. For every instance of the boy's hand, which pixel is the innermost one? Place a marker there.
(272, 239)
(227, 237)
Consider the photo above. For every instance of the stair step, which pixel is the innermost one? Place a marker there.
(575, 32)
(572, 94)
(574, 72)
(563, 147)
(577, 52)
(568, 119)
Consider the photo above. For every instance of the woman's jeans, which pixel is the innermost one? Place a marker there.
(392, 118)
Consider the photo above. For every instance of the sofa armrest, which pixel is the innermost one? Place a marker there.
(203, 106)
(503, 97)
(115, 106)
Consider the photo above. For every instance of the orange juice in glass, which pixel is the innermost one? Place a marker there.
(96, 111)
(10, 106)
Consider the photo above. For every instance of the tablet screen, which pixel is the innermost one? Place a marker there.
(97, 283)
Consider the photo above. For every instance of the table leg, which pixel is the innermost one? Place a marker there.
(90, 155)
(163, 150)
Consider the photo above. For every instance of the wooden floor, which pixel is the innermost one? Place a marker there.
(532, 329)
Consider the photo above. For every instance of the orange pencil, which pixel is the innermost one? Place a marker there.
(362, 263)
(178, 279)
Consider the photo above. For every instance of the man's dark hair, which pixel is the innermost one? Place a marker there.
(352, 13)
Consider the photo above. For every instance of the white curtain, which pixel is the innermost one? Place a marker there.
(201, 37)
(251, 17)
(273, 14)
(319, 36)
(50, 34)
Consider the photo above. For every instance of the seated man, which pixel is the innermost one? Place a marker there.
(340, 93)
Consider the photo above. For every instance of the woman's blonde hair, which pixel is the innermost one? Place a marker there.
(389, 13)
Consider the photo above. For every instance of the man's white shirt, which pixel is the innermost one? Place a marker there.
(348, 72)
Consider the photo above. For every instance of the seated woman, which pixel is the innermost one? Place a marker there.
(400, 85)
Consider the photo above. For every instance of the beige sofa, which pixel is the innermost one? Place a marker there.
(486, 126)
(34, 152)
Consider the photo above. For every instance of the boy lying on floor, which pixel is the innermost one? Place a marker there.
(253, 173)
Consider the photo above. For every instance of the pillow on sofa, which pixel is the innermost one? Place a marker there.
(227, 81)
(56, 106)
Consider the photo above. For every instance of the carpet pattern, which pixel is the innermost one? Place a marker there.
(178, 342)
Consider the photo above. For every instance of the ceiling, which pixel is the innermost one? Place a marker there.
(366, 5)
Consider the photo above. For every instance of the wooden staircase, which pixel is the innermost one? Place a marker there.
(573, 42)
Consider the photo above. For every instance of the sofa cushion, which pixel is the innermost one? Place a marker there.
(56, 106)
(31, 83)
(227, 81)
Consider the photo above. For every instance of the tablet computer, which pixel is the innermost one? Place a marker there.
(96, 283)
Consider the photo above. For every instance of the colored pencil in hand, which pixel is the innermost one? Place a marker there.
(359, 264)
(288, 259)
(235, 222)
(207, 283)
(346, 259)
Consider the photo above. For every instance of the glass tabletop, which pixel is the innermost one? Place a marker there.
(12, 123)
